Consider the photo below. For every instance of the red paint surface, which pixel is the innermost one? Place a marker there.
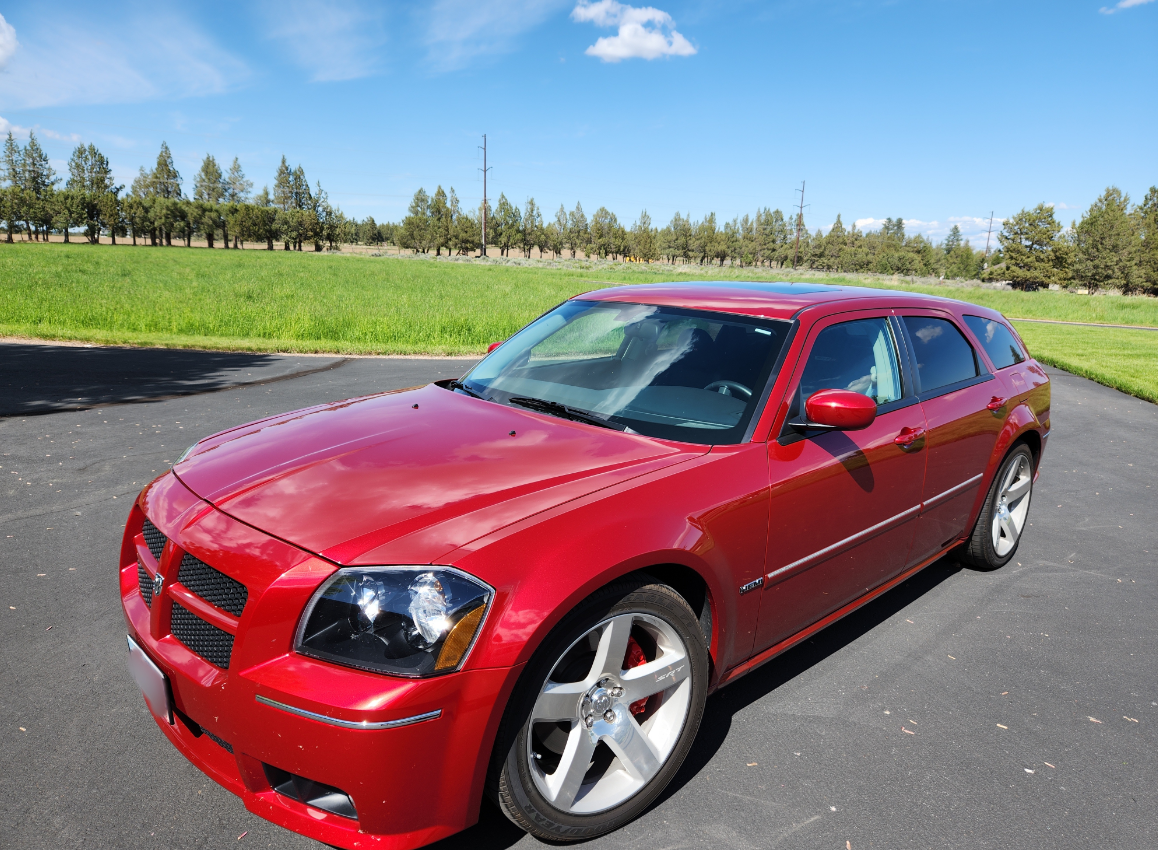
(545, 517)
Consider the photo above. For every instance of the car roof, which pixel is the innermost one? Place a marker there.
(773, 300)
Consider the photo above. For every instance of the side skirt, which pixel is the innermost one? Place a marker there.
(786, 644)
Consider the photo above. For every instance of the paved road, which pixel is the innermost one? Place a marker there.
(1015, 709)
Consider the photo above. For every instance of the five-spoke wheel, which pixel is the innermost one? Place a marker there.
(619, 689)
(995, 537)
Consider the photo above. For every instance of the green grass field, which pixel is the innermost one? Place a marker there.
(259, 301)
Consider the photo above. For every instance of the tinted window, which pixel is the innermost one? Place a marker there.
(857, 356)
(997, 341)
(942, 354)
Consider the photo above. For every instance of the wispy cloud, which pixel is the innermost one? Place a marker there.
(644, 32)
(1125, 4)
(19, 132)
(150, 56)
(459, 31)
(8, 42)
(331, 40)
(972, 227)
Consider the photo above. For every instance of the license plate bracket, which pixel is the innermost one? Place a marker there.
(153, 683)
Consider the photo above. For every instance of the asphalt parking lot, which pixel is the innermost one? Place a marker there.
(1014, 709)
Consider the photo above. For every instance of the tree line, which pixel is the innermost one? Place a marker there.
(1113, 246)
(156, 210)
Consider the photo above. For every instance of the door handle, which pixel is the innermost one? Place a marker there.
(996, 403)
(910, 438)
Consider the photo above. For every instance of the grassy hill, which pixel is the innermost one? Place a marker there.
(303, 302)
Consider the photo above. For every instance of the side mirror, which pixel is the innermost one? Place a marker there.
(836, 410)
(493, 346)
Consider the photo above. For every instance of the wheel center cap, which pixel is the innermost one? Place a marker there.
(601, 701)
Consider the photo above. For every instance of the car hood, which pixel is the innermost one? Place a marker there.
(406, 477)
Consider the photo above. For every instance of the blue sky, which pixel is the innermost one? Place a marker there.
(937, 111)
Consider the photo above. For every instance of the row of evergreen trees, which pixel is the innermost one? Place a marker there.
(437, 222)
(156, 209)
(1113, 246)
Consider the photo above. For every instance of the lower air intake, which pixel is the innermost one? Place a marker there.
(208, 641)
(324, 797)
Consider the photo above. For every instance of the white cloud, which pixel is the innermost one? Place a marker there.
(19, 132)
(146, 57)
(458, 31)
(641, 32)
(1125, 4)
(331, 40)
(16, 130)
(8, 42)
(973, 228)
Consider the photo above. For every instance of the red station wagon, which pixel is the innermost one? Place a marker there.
(362, 617)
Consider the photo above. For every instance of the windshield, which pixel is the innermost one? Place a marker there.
(661, 371)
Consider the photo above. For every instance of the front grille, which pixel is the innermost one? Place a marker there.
(208, 641)
(154, 539)
(145, 583)
(212, 585)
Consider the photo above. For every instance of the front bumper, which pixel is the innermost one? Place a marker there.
(274, 712)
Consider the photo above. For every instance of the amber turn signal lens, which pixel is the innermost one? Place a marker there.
(458, 641)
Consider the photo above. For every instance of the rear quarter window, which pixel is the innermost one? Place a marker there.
(996, 339)
(942, 353)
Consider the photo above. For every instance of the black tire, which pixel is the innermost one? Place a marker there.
(979, 551)
(510, 782)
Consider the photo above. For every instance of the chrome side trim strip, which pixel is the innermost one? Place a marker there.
(953, 490)
(348, 724)
(860, 535)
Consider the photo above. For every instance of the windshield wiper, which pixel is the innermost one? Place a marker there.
(459, 385)
(567, 412)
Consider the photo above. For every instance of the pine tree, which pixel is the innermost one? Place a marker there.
(1107, 245)
(577, 230)
(283, 189)
(439, 222)
(209, 185)
(237, 188)
(166, 179)
(1034, 254)
(1147, 216)
(953, 240)
(643, 239)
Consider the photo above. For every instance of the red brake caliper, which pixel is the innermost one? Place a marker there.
(635, 658)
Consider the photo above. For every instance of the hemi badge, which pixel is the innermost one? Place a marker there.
(752, 585)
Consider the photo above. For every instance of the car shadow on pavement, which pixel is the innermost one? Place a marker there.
(494, 832)
(723, 705)
(37, 379)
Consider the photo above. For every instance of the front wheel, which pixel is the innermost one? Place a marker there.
(994, 540)
(604, 715)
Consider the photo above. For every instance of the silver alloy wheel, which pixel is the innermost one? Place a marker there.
(596, 710)
(1012, 506)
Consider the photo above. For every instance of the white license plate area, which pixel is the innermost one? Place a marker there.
(152, 682)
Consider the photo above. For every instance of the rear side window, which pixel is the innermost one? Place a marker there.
(997, 341)
(943, 355)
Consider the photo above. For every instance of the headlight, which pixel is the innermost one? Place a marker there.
(409, 621)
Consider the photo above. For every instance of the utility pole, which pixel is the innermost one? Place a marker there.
(799, 221)
(484, 170)
(985, 261)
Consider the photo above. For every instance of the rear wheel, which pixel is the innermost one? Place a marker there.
(994, 540)
(604, 715)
